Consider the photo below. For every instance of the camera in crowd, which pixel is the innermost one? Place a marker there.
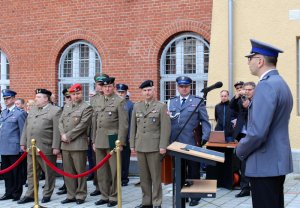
(244, 98)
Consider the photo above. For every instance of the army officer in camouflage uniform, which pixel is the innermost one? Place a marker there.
(42, 125)
(149, 137)
(73, 126)
(111, 119)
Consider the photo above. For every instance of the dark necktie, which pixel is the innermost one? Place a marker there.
(8, 111)
(147, 106)
(183, 101)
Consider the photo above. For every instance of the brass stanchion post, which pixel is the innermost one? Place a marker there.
(35, 187)
(119, 170)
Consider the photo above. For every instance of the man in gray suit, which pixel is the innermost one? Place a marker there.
(12, 121)
(266, 147)
(41, 125)
(180, 108)
(149, 137)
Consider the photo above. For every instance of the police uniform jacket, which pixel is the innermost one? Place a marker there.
(179, 115)
(74, 122)
(151, 128)
(111, 118)
(266, 147)
(42, 125)
(11, 127)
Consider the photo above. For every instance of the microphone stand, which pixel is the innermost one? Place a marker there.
(202, 100)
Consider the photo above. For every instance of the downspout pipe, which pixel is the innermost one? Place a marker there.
(230, 46)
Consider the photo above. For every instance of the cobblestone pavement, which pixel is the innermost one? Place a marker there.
(131, 196)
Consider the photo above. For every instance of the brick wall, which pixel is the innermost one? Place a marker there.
(129, 35)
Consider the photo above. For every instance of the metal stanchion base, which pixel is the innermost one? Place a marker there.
(38, 206)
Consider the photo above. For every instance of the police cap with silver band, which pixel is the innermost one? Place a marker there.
(147, 83)
(43, 91)
(8, 93)
(183, 80)
(121, 87)
(262, 48)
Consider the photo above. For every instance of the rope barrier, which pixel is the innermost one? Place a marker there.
(15, 164)
(59, 171)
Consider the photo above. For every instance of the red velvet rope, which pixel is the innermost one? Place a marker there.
(59, 171)
(15, 164)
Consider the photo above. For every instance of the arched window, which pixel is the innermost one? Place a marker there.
(4, 69)
(186, 54)
(78, 64)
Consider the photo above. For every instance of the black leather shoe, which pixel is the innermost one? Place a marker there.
(45, 199)
(25, 200)
(95, 193)
(124, 184)
(101, 201)
(5, 197)
(64, 191)
(62, 188)
(112, 203)
(68, 201)
(16, 198)
(193, 202)
(243, 193)
(79, 201)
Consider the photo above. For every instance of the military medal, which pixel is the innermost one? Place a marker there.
(153, 120)
(109, 113)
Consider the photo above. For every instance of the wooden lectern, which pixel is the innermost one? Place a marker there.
(200, 188)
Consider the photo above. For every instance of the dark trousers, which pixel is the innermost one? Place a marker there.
(90, 156)
(13, 179)
(125, 154)
(193, 171)
(267, 192)
(245, 181)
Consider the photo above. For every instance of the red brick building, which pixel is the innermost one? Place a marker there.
(52, 44)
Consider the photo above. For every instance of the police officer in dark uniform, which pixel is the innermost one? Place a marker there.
(180, 108)
(122, 90)
(12, 121)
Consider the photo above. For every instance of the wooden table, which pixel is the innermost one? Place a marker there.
(224, 172)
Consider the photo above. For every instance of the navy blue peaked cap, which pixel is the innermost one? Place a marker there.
(263, 49)
(8, 93)
(121, 87)
(183, 80)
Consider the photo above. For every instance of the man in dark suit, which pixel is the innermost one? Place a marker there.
(266, 147)
(12, 121)
(240, 108)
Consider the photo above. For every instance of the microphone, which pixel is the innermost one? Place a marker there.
(212, 87)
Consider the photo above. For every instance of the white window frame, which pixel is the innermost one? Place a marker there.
(75, 78)
(200, 77)
(4, 81)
